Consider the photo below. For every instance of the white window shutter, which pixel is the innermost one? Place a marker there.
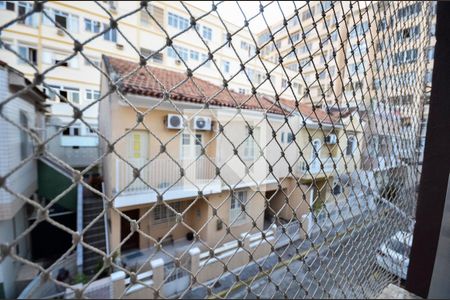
(73, 24)
(23, 52)
(51, 15)
(47, 57)
(74, 62)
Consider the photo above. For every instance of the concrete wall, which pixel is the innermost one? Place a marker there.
(24, 180)
(9, 268)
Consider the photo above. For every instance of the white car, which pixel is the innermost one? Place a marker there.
(393, 255)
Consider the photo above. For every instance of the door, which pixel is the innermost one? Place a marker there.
(138, 156)
(133, 242)
(191, 146)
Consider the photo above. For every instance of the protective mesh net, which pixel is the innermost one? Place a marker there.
(277, 162)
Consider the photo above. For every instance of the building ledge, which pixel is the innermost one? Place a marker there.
(395, 292)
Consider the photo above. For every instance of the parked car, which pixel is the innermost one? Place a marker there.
(393, 255)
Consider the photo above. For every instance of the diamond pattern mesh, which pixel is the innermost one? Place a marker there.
(276, 162)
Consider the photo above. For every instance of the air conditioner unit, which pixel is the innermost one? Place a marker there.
(119, 46)
(202, 123)
(331, 139)
(175, 122)
(60, 32)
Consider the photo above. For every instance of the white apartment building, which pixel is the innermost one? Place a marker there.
(73, 79)
(330, 55)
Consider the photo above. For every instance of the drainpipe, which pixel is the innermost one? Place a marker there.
(105, 219)
(79, 226)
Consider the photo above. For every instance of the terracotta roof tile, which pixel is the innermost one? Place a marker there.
(154, 82)
(308, 111)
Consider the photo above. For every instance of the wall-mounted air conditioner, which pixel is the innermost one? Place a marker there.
(60, 32)
(202, 123)
(331, 139)
(119, 46)
(175, 122)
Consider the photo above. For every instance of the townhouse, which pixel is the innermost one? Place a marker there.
(18, 168)
(193, 162)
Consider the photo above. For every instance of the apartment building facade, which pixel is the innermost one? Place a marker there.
(28, 111)
(331, 57)
(46, 41)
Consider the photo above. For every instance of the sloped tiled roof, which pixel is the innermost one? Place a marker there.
(310, 112)
(154, 82)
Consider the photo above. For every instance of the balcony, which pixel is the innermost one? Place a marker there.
(381, 163)
(313, 167)
(80, 141)
(163, 176)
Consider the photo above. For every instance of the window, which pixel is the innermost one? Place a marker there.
(182, 52)
(242, 91)
(92, 95)
(359, 29)
(237, 199)
(250, 49)
(226, 66)
(408, 33)
(307, 14)
(51, 57)
(24, 141)
(74, 130)
(351, 145)
(162, 213)
(92, 26)
(112, 4)
(71, 94)
(194, 55)
(154, 57)
(290, 137)
(8, 5)
(208, 61)
(109, 35)
(191, 145)
(410, 10)
(428, 77)
(295, 37)
(63, 19)
(284, 83)
(92, 61)
(177, 21)
(405, 56)
(432, 29)
(207, 33)
(250, 145)
(430, 53)
(27, 55)
(23, 8)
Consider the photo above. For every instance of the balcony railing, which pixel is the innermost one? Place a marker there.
(314, 166)
(162, 174)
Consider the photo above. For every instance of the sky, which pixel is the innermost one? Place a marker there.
(229, 11)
